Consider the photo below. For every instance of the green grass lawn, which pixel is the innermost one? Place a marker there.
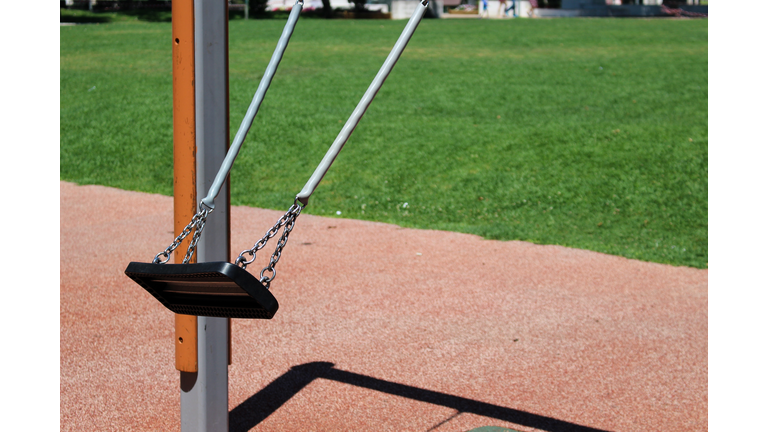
(587, 133)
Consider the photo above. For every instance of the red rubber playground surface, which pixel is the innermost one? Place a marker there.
(386, 329)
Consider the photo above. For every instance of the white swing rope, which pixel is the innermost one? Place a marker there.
(302, 199)
(362, 106)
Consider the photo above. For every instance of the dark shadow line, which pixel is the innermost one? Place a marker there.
(453, 416)
(458, 403)
(259, 406)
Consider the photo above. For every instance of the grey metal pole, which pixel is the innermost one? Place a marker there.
(205, 394)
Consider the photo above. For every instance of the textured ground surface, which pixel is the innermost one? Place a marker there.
(383, 328)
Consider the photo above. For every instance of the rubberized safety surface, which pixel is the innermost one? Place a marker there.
(387, 329)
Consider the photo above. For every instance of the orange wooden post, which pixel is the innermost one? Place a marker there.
(184, 163)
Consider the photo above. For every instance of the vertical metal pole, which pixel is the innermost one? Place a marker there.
(204, 395)
(247, 6)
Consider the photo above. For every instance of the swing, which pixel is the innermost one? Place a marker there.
(227, 290)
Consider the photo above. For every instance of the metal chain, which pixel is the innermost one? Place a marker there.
(196, 237)
(197, 223)
(278, 251)
(288, 220)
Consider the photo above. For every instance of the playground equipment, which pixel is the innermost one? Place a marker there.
(222, 289)
(216, 290)
(207, 293)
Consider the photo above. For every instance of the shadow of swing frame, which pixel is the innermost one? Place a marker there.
(268, 400)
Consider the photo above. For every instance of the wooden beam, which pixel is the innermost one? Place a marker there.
(184, 162)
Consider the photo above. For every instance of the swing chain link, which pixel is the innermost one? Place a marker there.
(197, 223)
(288, 220)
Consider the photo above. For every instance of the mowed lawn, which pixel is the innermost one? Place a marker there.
(587, 133)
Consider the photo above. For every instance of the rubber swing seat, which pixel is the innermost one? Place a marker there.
(215, 289)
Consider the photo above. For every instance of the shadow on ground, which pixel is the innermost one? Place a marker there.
(261, 405)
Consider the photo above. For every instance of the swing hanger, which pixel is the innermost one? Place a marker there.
(207, 204)
(223, 289)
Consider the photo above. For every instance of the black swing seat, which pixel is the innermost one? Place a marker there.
(214, 289)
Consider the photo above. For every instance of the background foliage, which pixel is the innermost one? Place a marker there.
(589, 133)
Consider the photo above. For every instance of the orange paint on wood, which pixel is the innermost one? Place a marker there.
(186, 343)
(184, 180)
